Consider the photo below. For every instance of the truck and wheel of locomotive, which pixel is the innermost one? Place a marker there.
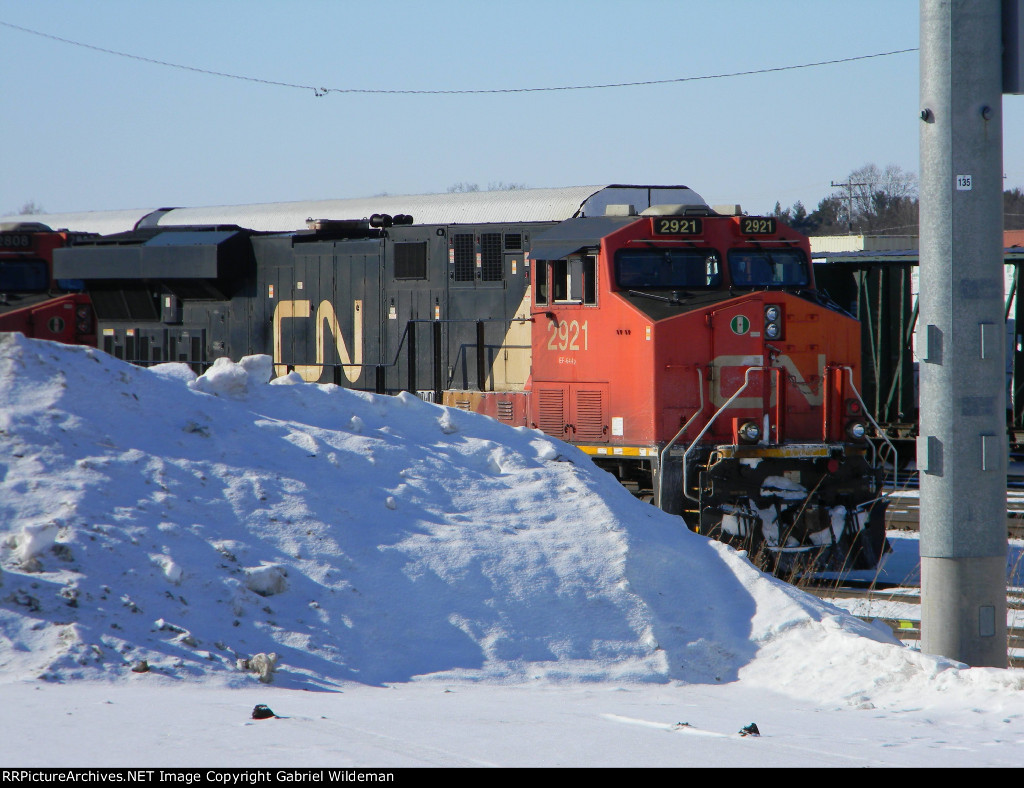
(684, 348)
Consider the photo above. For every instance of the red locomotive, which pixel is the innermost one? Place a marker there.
(32, 302)
(690, 354)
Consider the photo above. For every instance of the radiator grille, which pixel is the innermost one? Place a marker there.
(551, 418)
(589, 416)
(506, 412)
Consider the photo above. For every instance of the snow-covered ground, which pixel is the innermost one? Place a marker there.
(438, 589)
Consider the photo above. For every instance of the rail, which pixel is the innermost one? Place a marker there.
(907, 627)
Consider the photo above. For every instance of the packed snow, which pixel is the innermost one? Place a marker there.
(404, 584)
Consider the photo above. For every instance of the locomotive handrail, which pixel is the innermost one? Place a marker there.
(878, 430)
(677, 436)
(728, 402)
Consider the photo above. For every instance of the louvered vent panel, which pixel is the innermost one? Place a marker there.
(506, 412)
(490, 257)
(551, 418)
(465, 257)
(589, 416)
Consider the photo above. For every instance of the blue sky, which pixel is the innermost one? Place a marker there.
(86, 130)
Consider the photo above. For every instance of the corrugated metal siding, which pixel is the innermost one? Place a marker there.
(862, 243)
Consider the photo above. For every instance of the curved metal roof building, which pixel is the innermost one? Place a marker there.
(515, 205)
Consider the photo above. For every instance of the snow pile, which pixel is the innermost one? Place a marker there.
(195, 523)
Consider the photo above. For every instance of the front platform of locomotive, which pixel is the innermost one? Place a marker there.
(721, 357)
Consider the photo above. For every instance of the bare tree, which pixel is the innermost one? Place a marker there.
(881, 200)
(493, 186)
(30, 208)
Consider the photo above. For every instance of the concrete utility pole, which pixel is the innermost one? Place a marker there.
(962, 448)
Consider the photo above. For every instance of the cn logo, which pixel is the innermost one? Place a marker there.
(311, 373)
(734, 367)
(739, 325)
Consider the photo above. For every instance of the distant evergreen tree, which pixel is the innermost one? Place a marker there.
(1013, 209)
(827, 219)
(782, 214)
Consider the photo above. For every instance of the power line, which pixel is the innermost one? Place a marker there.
(849, 191)
(322, 91)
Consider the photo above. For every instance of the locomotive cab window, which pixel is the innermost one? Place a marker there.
(657, 268)
(541, 288)
(573, 280)
(768, 268)
(589, 280)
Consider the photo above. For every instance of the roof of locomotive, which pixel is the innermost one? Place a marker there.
(569, 237)
(505, 206)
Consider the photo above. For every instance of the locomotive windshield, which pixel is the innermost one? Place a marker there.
(657, 268)
(768, 268)
(24, 276)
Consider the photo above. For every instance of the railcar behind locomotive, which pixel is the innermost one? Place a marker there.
(684, 348)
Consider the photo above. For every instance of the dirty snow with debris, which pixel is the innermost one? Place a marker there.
(403, 584)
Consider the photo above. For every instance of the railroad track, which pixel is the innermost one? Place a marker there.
(904, 510)
(908, 627)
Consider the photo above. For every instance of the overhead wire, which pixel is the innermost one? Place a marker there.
(323, 91)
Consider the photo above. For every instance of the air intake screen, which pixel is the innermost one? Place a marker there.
(464, 257)
(490, 257)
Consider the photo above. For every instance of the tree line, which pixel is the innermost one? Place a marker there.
(874, 201)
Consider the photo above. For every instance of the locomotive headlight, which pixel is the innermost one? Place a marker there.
(856, 430)
(750, 432)
(772, 330)
(771, 313)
